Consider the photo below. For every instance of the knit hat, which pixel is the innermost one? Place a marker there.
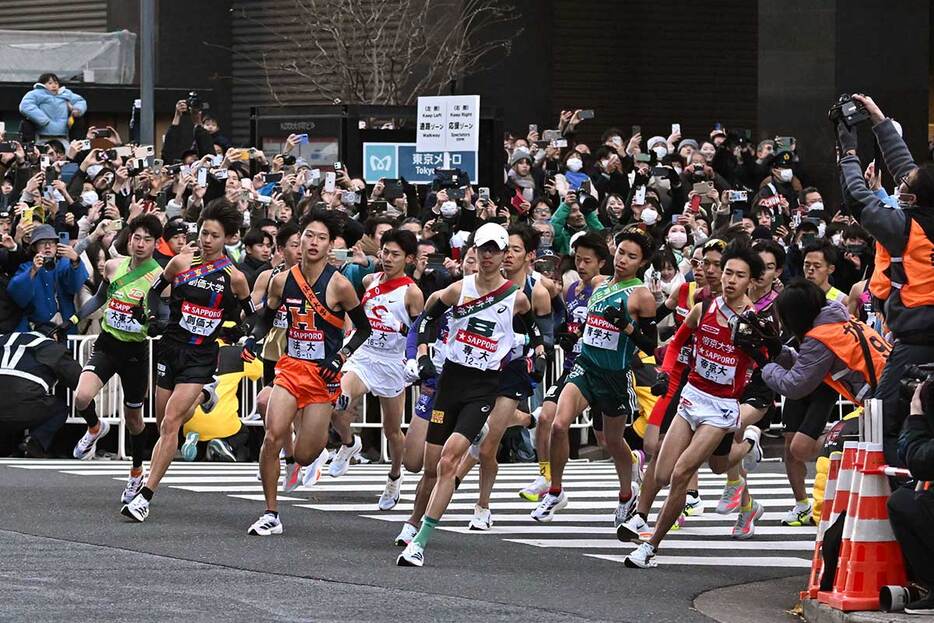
(655, 140)
(688, 142)
(519, 154)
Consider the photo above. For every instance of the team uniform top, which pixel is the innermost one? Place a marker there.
(605, 346)
(274, 344)
(480, 330)
(313, 332)
(718, 367)
(200, 297)
(576, 303)
(384, 305)
(128, 290)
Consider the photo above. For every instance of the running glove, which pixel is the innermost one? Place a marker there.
(331, 367)
(248, 354)
(426, 368)
(660, 386)
(538, 371)
(616, 317)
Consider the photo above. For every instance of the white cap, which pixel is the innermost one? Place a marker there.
(574, 238)
(491, 232)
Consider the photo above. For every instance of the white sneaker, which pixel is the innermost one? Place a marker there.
(341, 462)
(293, 476)
(754, 456)
(137, 509)
(209, 401)
(406, 535)
(631, 530)
(391, 494)
(731, 497)
(313, 471)
(625, 509)
(412, 556)
(266, 525)
(642, 558)
(482, 518)
(693, 505)
(550, 504)
(535, 491)
(87, 445)
(745, 527)
(474, 449)
(133, 485)
(638, 466)
(798, 516)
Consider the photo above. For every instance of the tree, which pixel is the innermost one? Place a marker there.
(379, 51)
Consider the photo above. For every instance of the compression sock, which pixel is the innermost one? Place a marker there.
(730, 483)
(137, 450)
(544, 470)
(147, 493)
(89, 414)
(428, 526)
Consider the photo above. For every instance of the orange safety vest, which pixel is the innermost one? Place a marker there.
(915, 277)
(859, 347)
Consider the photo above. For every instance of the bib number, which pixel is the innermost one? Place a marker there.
(307, 345)
(599, 333)
(719, 373)
(119, 316)
(200, 320)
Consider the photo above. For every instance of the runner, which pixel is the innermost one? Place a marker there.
(121, 348)
(205, 286)
(708, 411)
(601, 375)
(480, 336)
(315, 298)
(590, 256)
(391, 301)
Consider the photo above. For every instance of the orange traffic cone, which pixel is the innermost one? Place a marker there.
(829, 496)
(875, 558)
(841, 500)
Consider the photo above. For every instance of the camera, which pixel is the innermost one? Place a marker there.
(751, 331)
(913, 377)
(847, 111)
(193, 101)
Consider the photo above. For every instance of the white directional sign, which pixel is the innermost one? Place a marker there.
(448, 123)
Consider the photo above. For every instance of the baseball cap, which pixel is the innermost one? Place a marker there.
(491, 232)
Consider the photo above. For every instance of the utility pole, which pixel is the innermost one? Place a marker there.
(147, 16)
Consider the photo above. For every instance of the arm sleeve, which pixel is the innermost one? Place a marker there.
(674, 347)
(662, 312)
(95, 302)
(411, 339)
(362, 328)
(153, 297)
(546, 325)
(808, 372)
(428, 320)
(532, 330)
(264, 320)
(645, 335)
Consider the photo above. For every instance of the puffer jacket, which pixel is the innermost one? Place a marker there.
(50, 112)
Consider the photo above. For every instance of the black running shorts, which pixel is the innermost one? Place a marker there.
(515, 382)
(463, 402)
(810, 414)
(182, 363)
(128, 360)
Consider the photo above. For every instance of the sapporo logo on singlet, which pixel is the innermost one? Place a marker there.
(305, 340)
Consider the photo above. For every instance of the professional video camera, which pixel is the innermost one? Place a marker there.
(750, 333)
(848, 111)
(454, 181)
(919, 375)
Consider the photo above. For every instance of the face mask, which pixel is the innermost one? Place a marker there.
(817, 205)
(677, 170)
(603, 164)
(448, 209)
(89, 198)
(821, 229)
(700, 237)
(574, 164)
(677, 239)
(836, 239)
(649, 215)
(785, 175)
(660, 151)
(664, 184)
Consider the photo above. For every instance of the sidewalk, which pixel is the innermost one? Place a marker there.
(816, 612)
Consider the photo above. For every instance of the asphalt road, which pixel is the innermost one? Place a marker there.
(66, 553)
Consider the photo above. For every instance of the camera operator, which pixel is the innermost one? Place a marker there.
(904, 274)
(911, 512)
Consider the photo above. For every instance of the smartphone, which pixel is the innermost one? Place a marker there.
(330, 182)
(246, 184)
(808, 238)
(560, 143)
(101, 133)
(585, 187)
(643, 158)
(551, 135)
(676, 128)
(217, 160)
(661, 171)
(738, 195)
(108, 199)
(379, 206)
(192, 234)
(124, 151)
(7, 147)
(785, 142)
(638, 197)
(302, 139)
(636, 129)
(115, 225)
(341, 255)
(272, 177)
(586, 114)
(435, 260)
(144, 151)
(695, 204)
(338, 166)
(702, 188)
(64, 237)
(220, 174)
(202, 177)
(484, 193)
(533, 128)
(157, 166)
(736, 217)
(392, 189)
(84, 145)
(676, 218)
(44, 162)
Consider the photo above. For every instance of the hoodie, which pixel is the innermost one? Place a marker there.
(795, 374)
(50, 112)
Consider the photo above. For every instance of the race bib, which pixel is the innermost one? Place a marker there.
(684, 355)
(599, 333)
(307, 345)
(119, 316)
(200, 320)
(281, 319)
(720, 373)
(383, 337)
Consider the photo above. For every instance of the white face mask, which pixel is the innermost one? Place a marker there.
(603, 164)
(663, 183)
(700, 237)
(677, 170)
(817, 205)
(660, 151)
(785, 175)
(677, 239)
(448, 209)
(649, 215)
(89, 198)
(821, 229)
(836, 239)
(574, 164)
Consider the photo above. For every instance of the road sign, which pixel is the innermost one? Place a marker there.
(448, 123)
(394, 160)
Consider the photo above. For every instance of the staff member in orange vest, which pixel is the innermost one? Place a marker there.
(904, 267)
(836, 349)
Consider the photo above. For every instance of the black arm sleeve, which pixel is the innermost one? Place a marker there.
(662, 312)
(535, 336)
(645, 335)
(264, 320)
(95, 302)
(362, 325)
(546, 324)
(154, 296)
(247, 306)
(431, 315)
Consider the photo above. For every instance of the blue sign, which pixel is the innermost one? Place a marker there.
(395, 160)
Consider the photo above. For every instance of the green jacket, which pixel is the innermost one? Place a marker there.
(561, 244)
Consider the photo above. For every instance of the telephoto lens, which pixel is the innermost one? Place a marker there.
(895, 598)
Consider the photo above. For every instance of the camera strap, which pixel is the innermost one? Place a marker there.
(867, 354)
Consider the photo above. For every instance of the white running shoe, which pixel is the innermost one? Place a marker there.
(638, 466)
(550, 504)
(474, 449)
(220, 451)
(731, 497)
(189, 449)
(693, 505)
(87, 445)
(642, 558)
(799, 516)
(412, 556)
(625, 509)
(293, 477)
(631, 530)
(391, 494)
(268, 524)
(137, 509)
(209, 401)
(745, 527)
(406, 535)
(754, 456)
(535, 491)
(482, 518)
(341, 462)
(133, 485)
(313, 471)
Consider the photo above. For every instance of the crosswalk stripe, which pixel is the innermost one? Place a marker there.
(573, 504)
(603, 518)
(669, 543)
(687, 530)
(720, 561)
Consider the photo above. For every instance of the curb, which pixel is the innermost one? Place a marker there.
(816, 612)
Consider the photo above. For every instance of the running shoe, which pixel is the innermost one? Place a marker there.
(391, 494)
(406, 535)
(799, 516)
(642, 558)
(550, 504)
(731, 497)
(220, 451)
(189, 449)
(341, 462)
(679, 522)
(535, 491)
(137, 509)
(293, 476)
(533, 418)
(474, 448)
(268, 524)
(313, 471)
(209, 396)
(925, 605)
(754, 456)
(412, 556)
(631, 530)
(745, 527)
(638, 466)
(482, 518)
(693, 505)
(626, 509)
(87, 445)
(133, 485)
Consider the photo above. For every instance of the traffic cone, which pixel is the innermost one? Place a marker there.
(817, 562)
(875, 557)
(841, 500)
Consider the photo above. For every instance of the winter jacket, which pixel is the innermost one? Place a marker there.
(563, 233)
(48, 292)
(50, 112)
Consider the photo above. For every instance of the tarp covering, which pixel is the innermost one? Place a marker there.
(108, 57)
